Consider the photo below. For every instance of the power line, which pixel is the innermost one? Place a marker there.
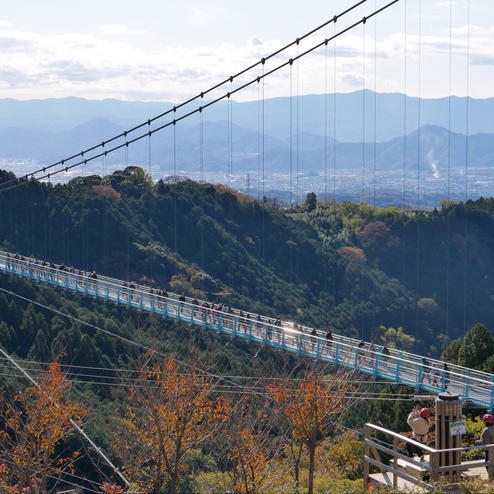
(126, 382)
(238, 389)
(73, 475)
(110, 333)
(68, 482)
(259, 390)
(136, 371)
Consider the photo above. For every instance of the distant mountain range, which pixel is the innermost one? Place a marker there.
(65, 114)
(309, 151)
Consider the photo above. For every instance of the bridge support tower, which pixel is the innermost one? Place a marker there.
(448, 409)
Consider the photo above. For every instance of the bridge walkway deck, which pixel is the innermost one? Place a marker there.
(397, 366)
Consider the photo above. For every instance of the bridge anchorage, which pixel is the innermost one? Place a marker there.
(394, 365)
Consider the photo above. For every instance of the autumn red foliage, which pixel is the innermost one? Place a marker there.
(36, 422)
(168, 413)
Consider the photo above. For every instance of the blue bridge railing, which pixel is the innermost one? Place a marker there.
(394, 365)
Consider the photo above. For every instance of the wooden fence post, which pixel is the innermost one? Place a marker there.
(395, 463)
(366, 463)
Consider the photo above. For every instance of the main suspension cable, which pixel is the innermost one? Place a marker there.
(188, 114)
(190, 100)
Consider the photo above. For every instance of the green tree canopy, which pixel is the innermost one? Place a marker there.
(311, 201)
(450, 354)
(478, 346)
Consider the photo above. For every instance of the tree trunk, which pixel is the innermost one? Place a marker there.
(312, 466)
(297, 457)
(44, 473)
(157, 483)
(173, 484)
(297, 474)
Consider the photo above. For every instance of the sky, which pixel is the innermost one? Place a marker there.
(163, 50)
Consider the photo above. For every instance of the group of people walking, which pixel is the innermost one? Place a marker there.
(272, 329)
(419, 421)
(275, 329)
(436, 375)
(51, 271)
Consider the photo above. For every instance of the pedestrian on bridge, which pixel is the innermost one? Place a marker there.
(385, 358)
(435, 376)
(329, 340)
(132, 289)
(426, 370)
(52, 271)
(360, 348)
(195, 302)
(205, 307)
(313, 333)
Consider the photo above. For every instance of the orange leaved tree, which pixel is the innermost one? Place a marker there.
(167, 415)
(310, 406)
(32, 426)
(248, 448)
(108, 488)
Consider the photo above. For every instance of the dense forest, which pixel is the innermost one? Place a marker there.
(416, 280)
(358, 269)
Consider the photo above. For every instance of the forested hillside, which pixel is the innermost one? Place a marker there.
(410, 279)
(361, 270)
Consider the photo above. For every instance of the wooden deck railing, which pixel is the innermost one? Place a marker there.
(432, 468)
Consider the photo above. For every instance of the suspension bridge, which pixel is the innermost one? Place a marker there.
(397, 366)
(394, 365)
(424, 374)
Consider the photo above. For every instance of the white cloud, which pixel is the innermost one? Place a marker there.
(118, 29)
(198, 16)
(111, 64)
(5, 24)
(353, 80)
